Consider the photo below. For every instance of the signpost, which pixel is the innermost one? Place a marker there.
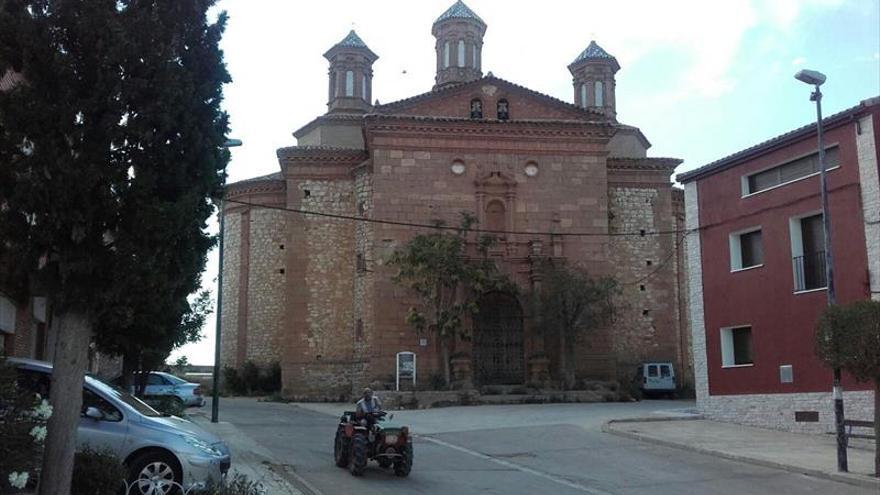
(406, 367)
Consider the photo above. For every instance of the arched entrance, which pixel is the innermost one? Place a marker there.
(498, 341)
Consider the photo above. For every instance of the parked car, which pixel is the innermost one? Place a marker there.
(157, 448)
(655, 379)
(160, 385)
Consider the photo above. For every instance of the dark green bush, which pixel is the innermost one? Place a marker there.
(252, 378)
(233, 382)
(250, 374)
(271, 379)
(97, 473)
(237, 485)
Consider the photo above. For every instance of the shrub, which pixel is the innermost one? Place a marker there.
(271, 379)
(250, 375)
(97, 473)
(233, 381)
(437, 381)
(238, 485)
(251, 378)
(23, 417)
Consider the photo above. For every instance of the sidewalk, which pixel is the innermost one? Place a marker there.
(813, 455)
(249, 458)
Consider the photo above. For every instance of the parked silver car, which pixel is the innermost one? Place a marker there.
(157, 449)
(160, 384)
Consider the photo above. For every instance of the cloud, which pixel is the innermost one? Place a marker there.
(798, 61)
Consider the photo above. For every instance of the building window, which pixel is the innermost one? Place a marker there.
(476, 109)
(364, 87)
(496, 218)
(808, 252)
(736, 346)
(503, 110)
(474, 56)
(446, 55)
(349, 83)
(746, 250)
(584, 95)
(600, 94)
(461, 53)
(789, 172)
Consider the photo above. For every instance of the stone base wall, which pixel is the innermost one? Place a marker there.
(777, 410)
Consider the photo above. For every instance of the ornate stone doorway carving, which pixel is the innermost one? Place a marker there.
(498, 341)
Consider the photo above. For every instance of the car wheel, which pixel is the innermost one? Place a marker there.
(403, 465)
(358, 455)
(341, 449)
(154, 473)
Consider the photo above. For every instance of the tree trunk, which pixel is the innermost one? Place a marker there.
(446, 371)
(877, 428)
(563, 360)
(70, 361)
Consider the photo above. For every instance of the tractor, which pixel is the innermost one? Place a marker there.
(370, 436)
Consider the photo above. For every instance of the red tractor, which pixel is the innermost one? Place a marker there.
(369, 436)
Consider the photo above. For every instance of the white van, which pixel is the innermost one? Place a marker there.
(655, 379)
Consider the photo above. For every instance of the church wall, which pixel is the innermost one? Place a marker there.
(456, 103)
(416, 185)
(266, 285)
(231, 272)
(646, 325)
(319, 358)
(338, 135)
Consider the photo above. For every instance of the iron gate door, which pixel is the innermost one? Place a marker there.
(498, 341)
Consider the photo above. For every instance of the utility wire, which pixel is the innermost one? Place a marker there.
(338, 216)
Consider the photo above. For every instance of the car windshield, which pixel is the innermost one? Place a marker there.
(123, 396)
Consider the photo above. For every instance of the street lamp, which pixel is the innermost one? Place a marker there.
(215, 400)
(816, 79)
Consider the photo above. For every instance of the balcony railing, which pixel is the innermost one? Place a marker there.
(809, 271)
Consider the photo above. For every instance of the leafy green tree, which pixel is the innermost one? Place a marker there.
(568, 303)
(848, 337)
(446, 281)
(110, 154)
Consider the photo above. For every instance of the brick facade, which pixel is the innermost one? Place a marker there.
(543, 169)
(765, 297)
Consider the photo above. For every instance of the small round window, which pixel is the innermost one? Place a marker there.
(531, 169)
(457, 167)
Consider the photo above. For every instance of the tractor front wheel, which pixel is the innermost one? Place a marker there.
(341, 447)
(403, 465)
(358, 455)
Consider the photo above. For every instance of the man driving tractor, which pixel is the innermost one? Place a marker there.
(368, 406)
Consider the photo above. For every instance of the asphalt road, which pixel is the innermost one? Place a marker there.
(513, 450)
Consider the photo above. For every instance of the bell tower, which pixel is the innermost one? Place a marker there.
(459, 32)
(593, 76)
(351, 75)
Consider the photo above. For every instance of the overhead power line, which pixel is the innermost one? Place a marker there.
(338, 216)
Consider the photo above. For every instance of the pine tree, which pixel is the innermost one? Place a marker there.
(110, 154)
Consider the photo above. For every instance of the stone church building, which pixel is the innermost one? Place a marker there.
(315, 293)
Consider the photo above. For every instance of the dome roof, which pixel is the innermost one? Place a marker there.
(594, 51)
(459, 11)
(351, 40)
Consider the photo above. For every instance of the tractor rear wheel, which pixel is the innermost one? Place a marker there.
(341, 448)
(358, 455)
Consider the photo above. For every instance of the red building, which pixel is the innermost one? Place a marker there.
(756, 272)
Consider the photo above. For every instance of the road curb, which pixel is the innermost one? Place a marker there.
(850, 479)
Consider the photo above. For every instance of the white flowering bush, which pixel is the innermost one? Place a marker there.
(23, 417)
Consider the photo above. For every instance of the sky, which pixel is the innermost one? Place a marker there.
(701, 79)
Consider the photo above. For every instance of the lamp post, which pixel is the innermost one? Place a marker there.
(215, 399)
(816, 79)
